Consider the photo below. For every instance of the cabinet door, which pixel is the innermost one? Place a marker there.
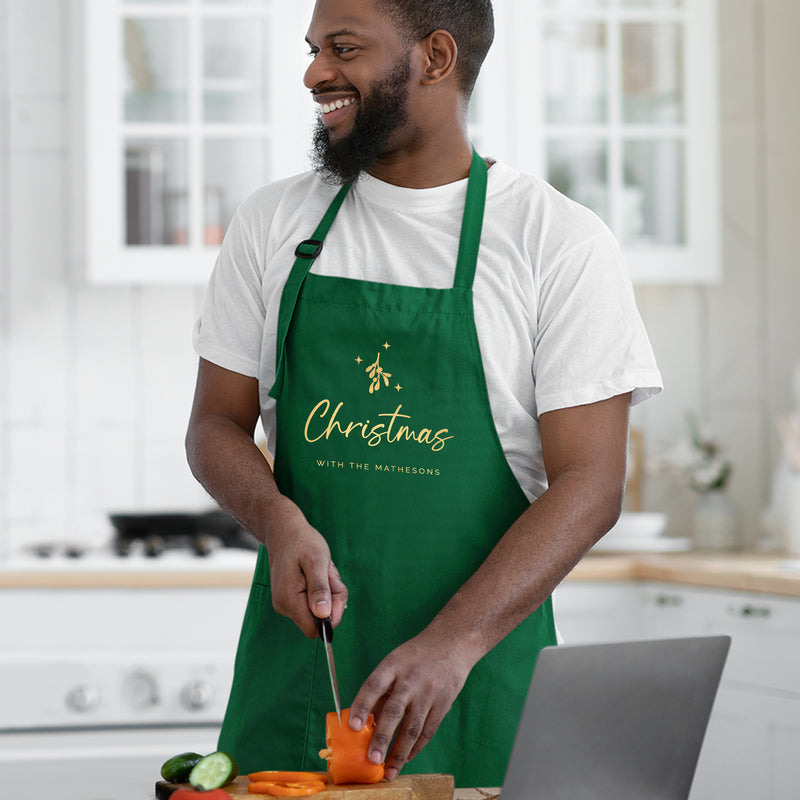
(588, 613)
(673, 611)
(190, 106)
(615, 103)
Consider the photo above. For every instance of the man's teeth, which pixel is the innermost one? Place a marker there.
(328, 107)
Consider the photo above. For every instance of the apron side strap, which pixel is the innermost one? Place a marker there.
(472, 224)
(305, 254)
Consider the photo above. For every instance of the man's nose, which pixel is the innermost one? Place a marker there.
(319, 71)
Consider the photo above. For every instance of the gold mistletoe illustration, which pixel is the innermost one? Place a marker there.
(375, 372)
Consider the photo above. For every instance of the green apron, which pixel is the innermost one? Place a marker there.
(385, 440)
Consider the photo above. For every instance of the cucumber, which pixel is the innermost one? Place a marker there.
(214, 771)
(177, 768)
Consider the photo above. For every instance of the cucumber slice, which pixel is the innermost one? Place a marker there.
(177, 768)
(214, 771)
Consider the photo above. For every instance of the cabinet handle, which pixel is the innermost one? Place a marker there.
(668, 600)
(754, 612)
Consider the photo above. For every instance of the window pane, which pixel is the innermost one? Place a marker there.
(574, 72)
(579, 169)
(652, 73)
(156, 199)
(234, 168)
(235, 70)
(156, 77)
(653, 191)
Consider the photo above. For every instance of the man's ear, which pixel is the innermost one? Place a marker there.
(441, 53)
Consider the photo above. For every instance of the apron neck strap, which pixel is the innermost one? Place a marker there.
(471, 224)
(305, 254)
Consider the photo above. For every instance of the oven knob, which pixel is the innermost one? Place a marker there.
(141, 690)
(197, 695)
(83, 698)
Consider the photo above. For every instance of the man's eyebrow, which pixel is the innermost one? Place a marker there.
(334, 34)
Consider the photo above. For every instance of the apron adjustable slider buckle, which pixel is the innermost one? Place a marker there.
(309, 248)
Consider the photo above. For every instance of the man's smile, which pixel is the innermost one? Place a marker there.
(334, 106)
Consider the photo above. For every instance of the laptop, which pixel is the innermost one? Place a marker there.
(621, 721)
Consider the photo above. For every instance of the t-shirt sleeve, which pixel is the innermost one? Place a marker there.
(230, 328)
(590, 342)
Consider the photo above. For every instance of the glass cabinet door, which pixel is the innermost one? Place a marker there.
(616, 105)
(188, 111)
(631, 171)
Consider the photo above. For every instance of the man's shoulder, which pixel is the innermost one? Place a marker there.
(530, 196)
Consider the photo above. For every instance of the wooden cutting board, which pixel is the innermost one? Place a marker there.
(404, 787)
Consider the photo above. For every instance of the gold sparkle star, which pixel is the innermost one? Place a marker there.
(398, 387)
(386, 345)
(358, 360)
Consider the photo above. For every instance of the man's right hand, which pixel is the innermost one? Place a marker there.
(305, 582)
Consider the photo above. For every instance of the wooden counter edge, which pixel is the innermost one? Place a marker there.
(735, 572)
(167, 579)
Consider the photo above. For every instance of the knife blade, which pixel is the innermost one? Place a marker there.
(325, 628)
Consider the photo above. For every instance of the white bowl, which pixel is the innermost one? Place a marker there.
(640, 531)
(639, 524)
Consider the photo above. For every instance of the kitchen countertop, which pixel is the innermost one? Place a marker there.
(777, 575)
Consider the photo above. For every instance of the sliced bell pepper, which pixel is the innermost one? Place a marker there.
(284, 776)
(346, 751)
(286, 788)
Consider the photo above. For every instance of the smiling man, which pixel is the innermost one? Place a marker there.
(443, 353)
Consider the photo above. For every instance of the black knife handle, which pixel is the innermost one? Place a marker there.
(325, 625)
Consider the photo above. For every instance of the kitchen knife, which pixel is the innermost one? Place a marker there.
(325, 629)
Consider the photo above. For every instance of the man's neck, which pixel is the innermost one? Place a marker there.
(439, 161)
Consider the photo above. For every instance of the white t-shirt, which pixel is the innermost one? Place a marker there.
(554, 307)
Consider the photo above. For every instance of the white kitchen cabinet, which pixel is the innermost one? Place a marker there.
(189, 105)
(615, 102)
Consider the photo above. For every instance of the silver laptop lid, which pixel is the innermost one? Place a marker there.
(620, 721)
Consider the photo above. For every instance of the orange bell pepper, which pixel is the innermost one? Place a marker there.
(346, 751)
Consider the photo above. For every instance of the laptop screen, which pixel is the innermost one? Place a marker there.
(617, 721)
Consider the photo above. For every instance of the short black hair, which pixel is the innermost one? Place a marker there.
(469, 22)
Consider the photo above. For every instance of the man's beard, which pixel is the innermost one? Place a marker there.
(377, 117)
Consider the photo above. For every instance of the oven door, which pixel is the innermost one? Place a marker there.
(95, 764)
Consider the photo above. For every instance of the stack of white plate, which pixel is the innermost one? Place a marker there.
(641, 532)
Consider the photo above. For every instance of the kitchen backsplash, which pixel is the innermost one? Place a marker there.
(96, 382)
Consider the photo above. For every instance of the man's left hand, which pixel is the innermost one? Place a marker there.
(410, 692)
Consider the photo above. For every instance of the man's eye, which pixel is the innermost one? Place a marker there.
(313, 53)
(342, 49)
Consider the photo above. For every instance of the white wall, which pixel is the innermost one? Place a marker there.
(95, 383)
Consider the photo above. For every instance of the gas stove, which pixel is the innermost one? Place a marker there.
(146, 541)
(104, 558)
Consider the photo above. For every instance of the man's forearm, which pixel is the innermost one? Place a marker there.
(531, 559)
(226, 461)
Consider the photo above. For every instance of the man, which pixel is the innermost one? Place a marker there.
(444, 372)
